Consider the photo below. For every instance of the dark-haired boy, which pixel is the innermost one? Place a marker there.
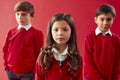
(22, 45)
(102, 48)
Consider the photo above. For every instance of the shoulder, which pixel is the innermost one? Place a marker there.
(36, 31)
(115, 36)
(12, 30)
(90, 35)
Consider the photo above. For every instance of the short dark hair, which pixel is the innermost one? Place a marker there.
(105, 9)
(24, 6)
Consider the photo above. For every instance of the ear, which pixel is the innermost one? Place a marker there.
(113, 19)
(95, 19)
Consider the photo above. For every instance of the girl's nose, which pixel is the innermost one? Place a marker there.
(60, 32)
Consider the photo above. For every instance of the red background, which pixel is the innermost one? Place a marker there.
(83, 12)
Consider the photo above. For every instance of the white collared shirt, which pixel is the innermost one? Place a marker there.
(98, 31)
(60, 56)
(27, 27)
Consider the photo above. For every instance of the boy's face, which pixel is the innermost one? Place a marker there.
(23, 18)
(104, 21)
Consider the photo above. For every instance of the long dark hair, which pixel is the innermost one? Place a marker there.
(45, 58)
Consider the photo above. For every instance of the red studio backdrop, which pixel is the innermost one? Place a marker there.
(83, 12)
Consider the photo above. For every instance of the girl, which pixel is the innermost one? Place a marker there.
(60, 59)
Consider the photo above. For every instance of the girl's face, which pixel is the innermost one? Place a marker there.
(23, 18)
(104, 21)
(61, 32)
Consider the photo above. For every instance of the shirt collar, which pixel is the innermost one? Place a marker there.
(60, 56)
(63, 53)
(26, 27)
(98, 31)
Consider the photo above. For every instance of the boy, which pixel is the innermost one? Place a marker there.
(102, 53)
(22, 45)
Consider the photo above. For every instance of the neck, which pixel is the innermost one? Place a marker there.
(25, 24)
(61, 48)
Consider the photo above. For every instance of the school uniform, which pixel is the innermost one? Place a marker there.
(102, 56)
(59, 69)
(21, 49)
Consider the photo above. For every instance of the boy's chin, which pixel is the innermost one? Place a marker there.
(23, 24)
(104, 30)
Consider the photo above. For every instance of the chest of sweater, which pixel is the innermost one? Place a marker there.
(22, 38)
(104, 53)
(103, 45)
(22, 43)
(58, 73)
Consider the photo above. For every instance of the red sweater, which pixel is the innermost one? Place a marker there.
(55, 72)
(21, 51)
(102, 57)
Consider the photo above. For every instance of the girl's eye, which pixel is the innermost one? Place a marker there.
(55, 29)
(65, 29)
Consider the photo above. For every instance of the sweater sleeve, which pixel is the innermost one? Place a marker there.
(116, 70)
(79, 73)
(39, 75)
(39, 40)
(5, 49)
(89, 68)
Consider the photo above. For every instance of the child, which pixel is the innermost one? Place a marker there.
(102, 48)
(22, 45)
(60, 59)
